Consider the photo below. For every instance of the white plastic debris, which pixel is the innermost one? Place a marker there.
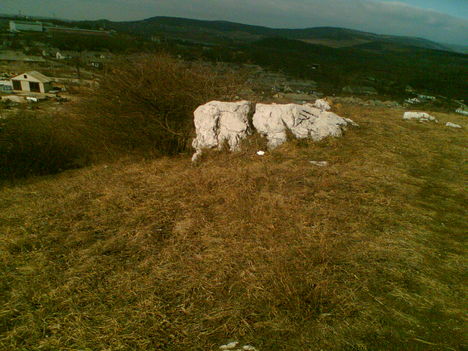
(248, 348)
(260, 153)
(217, 123)
(229, 346)
(303, 121)
(452, 125)
(31, 99)
(319, 163)
(421, 116)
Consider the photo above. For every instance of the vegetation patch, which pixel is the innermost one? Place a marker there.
(145, 104)
(33, 143)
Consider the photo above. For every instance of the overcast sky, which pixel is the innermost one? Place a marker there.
(440, 20)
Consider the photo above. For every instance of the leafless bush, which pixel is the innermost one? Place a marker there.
(32, 143)
(146, 103)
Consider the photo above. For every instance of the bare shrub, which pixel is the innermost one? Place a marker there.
(36, 144)
(146, 103)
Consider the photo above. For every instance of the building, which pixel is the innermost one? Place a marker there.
(23, 26)
(32, 82)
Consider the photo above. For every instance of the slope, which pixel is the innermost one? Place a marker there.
(365, 254)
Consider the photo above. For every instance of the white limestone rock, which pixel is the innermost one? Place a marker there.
(420, 116)
(303, 121)
(452, 125)
(219, 122)
(462, 111)
(229, 346)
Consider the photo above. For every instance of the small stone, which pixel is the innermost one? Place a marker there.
(229, 346)
(420, 116)
(249, 348)
(319, 163)
(452, 125)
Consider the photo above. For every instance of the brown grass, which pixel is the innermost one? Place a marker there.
(366, 254)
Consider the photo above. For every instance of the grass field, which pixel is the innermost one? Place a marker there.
(365, 254)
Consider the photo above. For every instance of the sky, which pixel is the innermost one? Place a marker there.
(444, 21)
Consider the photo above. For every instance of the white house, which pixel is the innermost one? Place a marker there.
(32, 81)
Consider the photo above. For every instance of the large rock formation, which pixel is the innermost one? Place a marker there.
(218, 123)
(303, 121)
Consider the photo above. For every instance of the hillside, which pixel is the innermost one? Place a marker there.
(388, 64)
(217, 31)
(333, 59)
(157, 254)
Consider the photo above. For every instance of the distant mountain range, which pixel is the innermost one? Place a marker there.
(222, 32)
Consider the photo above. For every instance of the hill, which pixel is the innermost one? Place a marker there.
(216, 31)
(335, 58)
(366, 254)
(389, 64)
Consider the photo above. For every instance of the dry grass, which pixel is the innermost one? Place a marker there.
(366, 254)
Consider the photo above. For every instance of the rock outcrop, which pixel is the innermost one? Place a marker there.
(218, 123)
(303, 121)
(420, 116)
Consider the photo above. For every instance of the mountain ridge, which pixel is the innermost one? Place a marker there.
(216, 30)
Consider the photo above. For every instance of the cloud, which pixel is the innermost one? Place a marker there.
(389, 17)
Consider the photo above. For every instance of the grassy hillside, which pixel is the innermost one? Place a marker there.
(392, 67)
(366, 254)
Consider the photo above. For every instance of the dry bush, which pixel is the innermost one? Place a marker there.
(146, 103)
(32, 143)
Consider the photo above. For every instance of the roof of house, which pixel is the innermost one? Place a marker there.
(36, 75)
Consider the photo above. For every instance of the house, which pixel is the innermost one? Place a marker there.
(32, 81)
